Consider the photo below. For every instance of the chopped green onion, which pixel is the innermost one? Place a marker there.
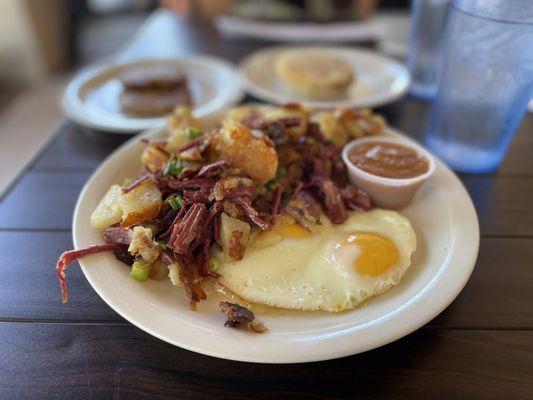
(214, 263)
(281, 172)
(140, 271)
(318, 222)
(179, 200)
(162, 245)
(173, 203)
(174, 167)
(193, 133)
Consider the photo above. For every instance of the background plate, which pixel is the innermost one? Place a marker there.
(91, 98)
(448, 237)
(378, 79)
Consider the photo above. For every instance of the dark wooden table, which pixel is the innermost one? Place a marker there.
(481, 347)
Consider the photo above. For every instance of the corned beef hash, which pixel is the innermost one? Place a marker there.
(262, 204)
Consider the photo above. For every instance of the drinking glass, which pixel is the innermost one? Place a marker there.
(485, 83)
(428, 20)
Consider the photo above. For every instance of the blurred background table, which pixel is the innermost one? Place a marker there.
(481, 347)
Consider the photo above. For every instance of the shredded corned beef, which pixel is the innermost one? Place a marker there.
(197, 196)
(332, 200)
(184, 233)
(136, 183)
(356, 199)
(211, 170)
(200, 183)
(251, 213)
(171, 227)
(117, 234)
(192, 281)
(276, 202)
(199, 142)
(125, 256)
(68, 257)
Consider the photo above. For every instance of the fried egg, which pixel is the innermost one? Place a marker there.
(333, 270)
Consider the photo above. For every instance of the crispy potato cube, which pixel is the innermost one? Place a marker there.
(177, 128)
(296, 116)
(361, 122)
(241, 113)
(143, 244)
(154, 158)
(141, 203)
(109, 211)
(253, 155)
(180, 119)
(233, 237)
(331, 127)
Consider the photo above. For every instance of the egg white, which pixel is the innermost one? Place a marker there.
(308, 274)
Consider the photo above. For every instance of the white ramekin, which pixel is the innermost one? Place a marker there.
(392, 193)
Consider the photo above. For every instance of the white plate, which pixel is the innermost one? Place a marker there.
(448, 236)
(379, 79)
(91, 98)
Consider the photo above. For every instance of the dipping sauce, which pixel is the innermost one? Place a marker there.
(388, 160)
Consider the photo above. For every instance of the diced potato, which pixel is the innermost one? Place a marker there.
(361, 122)
(154, 159)
(143, 244)
(241, 113)
(174, 274)
(254, 156)
(140, 204)
(280, 113)
(180, 119)
(233, 237)
(177, 128)
(177, 141)
(109, 210)
(331, 127)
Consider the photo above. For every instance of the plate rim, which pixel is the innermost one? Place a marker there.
(265, 94)
(464, 256)
(72, 89)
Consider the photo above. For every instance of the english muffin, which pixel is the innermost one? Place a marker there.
(314, 74)
(152, 103)
(159, 77)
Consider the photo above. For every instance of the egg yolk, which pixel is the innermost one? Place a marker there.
(377, 253)
(292, 231)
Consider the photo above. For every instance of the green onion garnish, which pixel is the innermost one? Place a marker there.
(179, 200)
(162, 245)
(174, 167)
(140, 271)
(173, 203)
(318, 222)
(193, 133)
(281, 172)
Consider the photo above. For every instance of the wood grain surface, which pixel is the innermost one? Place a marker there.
(480, 347)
